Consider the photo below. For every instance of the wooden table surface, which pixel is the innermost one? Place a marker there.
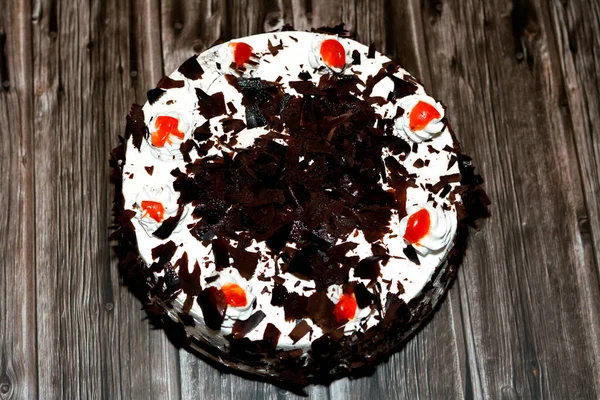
(521, 79)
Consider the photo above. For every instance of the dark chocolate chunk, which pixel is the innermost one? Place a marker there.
(271, 335)
(368, 268)
(154, 94)
(168, 226)
(213, 303)
(294, 306)
(168, 83)
(274, 50)
(355, 57)
(220, 250)
(244, 261)
(210, 106)
(203, 133)
(164, 252)
(242, 328)
(279, 295)
(364, 297)
(300, 330)
(410, 252)
(149, 170)
(233, 125)
(277, 241)
(191, 69)
(304, 75)
(371, 53)
(190, 282)
(136, 127)
(320, 309)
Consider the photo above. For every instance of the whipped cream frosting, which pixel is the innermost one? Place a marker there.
(315, 59)
(442, 228)
(428, 162)
(163, 194)
(233, 314)
(432, 129)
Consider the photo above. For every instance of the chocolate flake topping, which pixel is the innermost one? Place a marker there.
(168, 225)
(242, 328)
(410, 252)
(367, 268)
(136, 127)
(299, 331)
(355, 57)
(210, 106)
(274, 50)
(190, 282)
(214, 305)
(191, 69)
(168, 83)
(149, 170)
(155, 94)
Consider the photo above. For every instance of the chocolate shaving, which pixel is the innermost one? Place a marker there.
(271, 335)
(136, 127)
(191, 69)
(149, 170)
(210, 106)
(300, 330)
(203, 132)
(220, 253)
(214, 305)
(410, 252)
(368, 268)
(233, 126)
(364, 297)
(274, 50)
(371, 53)
(168, 226)
(242, 328)
(294, 306)
(168, 83)
(155, 94)
(355, 57)
(190, 282)
(320, 309)
(244, 261)
(164, 252)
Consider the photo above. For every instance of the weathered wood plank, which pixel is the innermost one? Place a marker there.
(577, 31)
(526, 280)
(85, 75)
(18, 363)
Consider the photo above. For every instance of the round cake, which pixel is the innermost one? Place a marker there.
(295, 201)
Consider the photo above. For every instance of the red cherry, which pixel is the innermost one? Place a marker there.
(345, 309)
(421, 115)
(241, 53)
(154, 210)
(333, 53)
(165, 127)
(417, 226)
(234, 295)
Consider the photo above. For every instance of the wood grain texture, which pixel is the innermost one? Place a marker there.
(521, 79)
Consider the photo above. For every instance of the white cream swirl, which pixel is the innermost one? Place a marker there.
(315, 59)
(232, 276)
(170, 150)
(164, 195)
(442, 227)
(335, 292)
(225, 57)
(402, 123)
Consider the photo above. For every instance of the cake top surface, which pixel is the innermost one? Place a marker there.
(288, 185)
